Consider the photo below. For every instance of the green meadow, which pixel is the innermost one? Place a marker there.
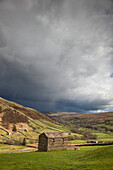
(89, 157)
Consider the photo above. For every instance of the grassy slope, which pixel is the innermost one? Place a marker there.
(43, 125)
(90, 158)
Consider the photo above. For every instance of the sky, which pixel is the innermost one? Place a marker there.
(57, 55)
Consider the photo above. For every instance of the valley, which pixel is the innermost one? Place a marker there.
(20, 128)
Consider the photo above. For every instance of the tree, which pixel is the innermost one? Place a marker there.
(24, 141)
(14, 128)
(0, 109)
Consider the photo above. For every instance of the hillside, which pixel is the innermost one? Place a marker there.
(6, 105)
(13, 113)
(18, 122)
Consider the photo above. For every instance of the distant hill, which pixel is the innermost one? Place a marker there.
(83, 118)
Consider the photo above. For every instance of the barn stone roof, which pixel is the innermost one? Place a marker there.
(55, 134)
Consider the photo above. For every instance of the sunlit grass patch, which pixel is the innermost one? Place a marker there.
(8, 148)
(89, 157)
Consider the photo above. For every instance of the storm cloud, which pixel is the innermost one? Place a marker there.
(57, 54)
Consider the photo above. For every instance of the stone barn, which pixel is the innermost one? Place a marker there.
(52, 141)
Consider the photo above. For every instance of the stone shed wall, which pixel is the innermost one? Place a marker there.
(59, 143)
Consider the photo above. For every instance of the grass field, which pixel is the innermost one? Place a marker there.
(8, 148)
(77, 141)
(89, 157)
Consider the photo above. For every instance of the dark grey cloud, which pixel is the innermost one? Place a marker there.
(57, 55)
(82, 106)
